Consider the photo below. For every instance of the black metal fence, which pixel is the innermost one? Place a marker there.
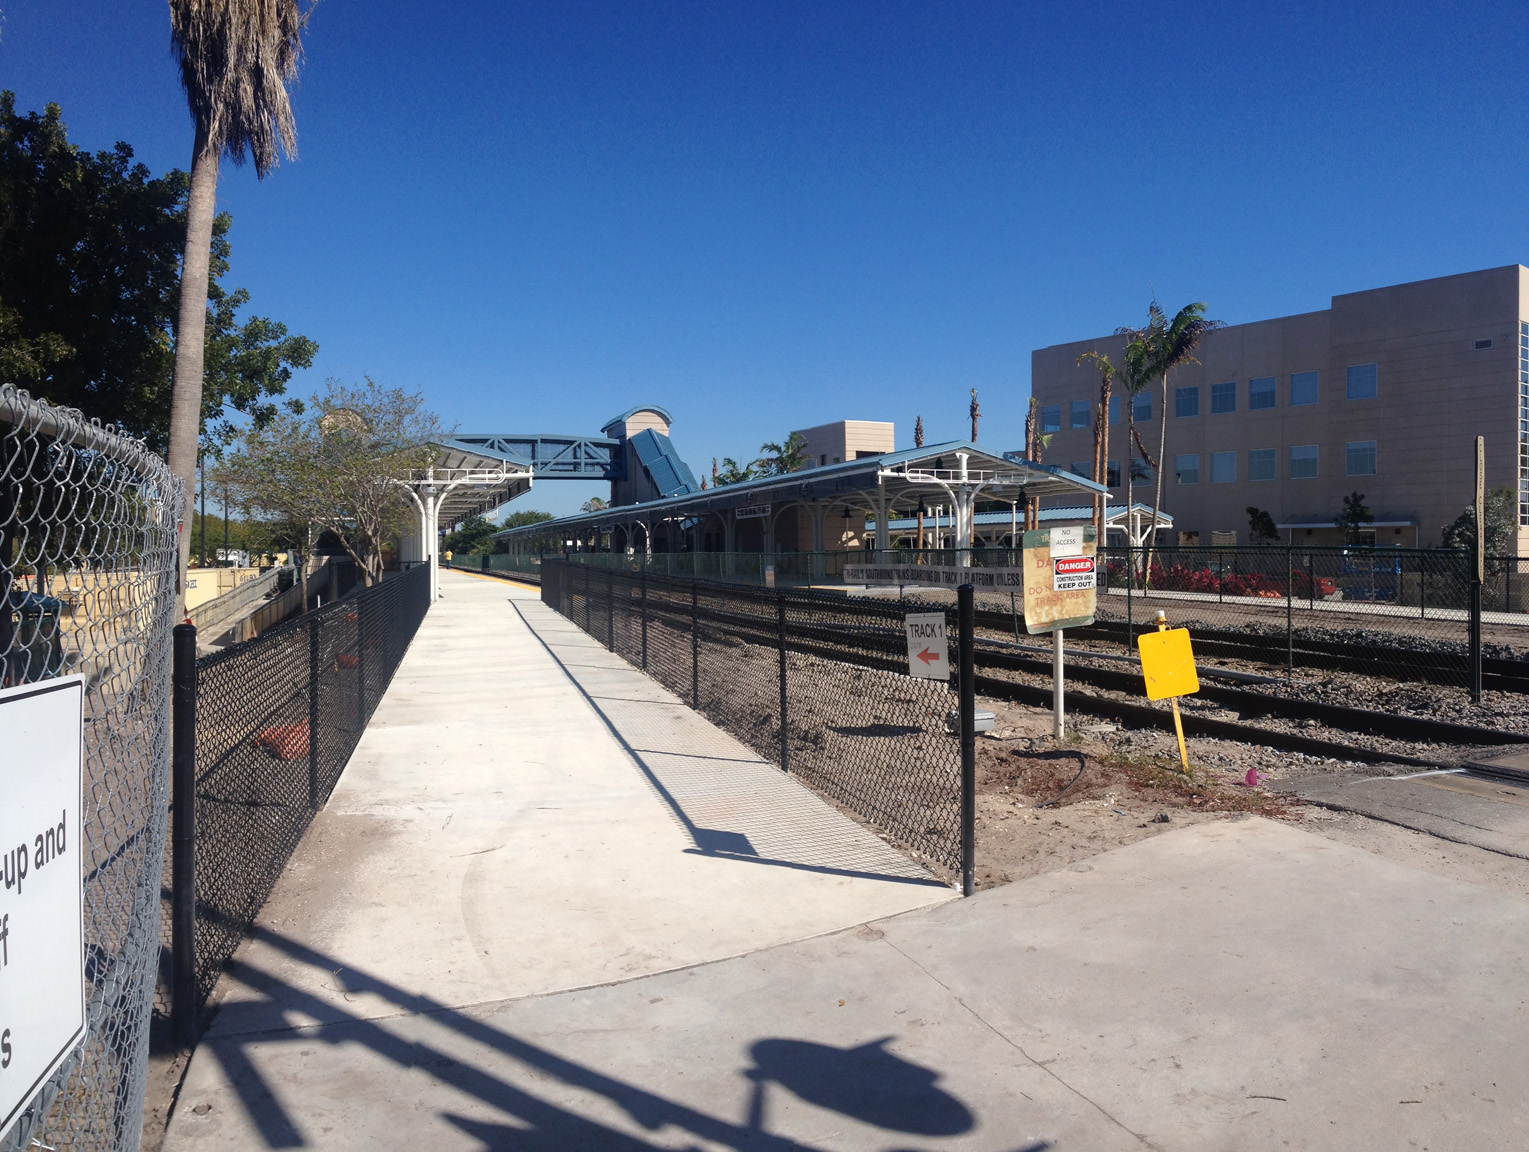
(277, 718)
(773, 668)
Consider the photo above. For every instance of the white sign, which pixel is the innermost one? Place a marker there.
(1072, 573)
(928, 649)
(1066, 542)
(42, 956)
(752, 512)
(936, 576)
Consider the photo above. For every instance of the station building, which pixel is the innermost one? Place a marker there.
(1382, 393)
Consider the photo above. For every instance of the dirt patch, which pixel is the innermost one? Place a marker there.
(1044, 805)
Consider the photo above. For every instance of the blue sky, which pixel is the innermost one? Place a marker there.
(774, 215)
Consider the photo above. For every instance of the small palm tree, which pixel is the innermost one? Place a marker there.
(1134, 373)
(237, 58)
(778, 459)
(1175, 343)
(1036, 443)
(1108, 373)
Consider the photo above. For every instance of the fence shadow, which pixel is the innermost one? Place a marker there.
(864, 1082)
(814, 856)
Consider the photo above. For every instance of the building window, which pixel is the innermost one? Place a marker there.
(1359, 458)
(1186, 468)
(1303, 462)
(1080, 414)
(1362, 380)
(1261, 464)
(1114, 474)
(1051, 417)
(1141, 408)
(1223, 467)
(1304, 388)
(1139, 470)
(1223, 397)
(1082, 468)
(1186, 401)
(1114, 409)
(1261, 393)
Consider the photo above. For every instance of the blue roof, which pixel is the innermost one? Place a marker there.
(671, 475)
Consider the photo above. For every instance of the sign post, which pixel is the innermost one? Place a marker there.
(1060, 590)
(1168, 666)
(42, 956)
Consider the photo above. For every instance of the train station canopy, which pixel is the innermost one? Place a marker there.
(466, 483)
(956, 476)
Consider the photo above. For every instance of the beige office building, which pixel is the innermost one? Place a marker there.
(1383, 393)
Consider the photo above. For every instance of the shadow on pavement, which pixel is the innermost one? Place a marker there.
(866, 1083)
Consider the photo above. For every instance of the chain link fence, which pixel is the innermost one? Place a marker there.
(88, 523)
(277, 719)
(774, 668)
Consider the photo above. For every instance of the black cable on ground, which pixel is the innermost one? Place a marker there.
(1082, 767)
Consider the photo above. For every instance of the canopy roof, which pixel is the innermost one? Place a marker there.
(931, 475)
(468, 483)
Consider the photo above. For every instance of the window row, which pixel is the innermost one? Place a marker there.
(1362, 383)
(1360, 458)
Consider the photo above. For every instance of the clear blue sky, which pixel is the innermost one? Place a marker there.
(769, 216)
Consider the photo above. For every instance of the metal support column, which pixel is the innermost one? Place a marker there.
(183, 836)
(780, 636)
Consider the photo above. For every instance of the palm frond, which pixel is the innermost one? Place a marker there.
(237, 58)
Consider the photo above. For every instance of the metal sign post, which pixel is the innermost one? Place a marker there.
(1061, 586)
(42, 955)
(1168, 667)
(1478, 569)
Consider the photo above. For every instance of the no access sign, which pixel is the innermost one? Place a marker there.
(928, 647)
(42, 957)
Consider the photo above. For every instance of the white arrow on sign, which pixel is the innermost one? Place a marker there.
(928, 647)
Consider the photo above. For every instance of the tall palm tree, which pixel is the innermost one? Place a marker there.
(1108, 374)
(236, 59)
(1175, 342)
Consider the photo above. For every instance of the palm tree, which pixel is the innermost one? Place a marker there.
(236, 59)
(1136, 372)
(1174, 344)
(1108, 373)
(779, 459)
(1036, 442)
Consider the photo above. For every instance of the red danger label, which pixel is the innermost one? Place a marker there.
(1073, 565)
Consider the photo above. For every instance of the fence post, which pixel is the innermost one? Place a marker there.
(695, 645)
(1290, 610)
(780, 634)
(361, 716)
(610, 609)
(183, 836)
(1475, 629)
(1130, 584)
(644, 621)
(966, 662)
(313, 712)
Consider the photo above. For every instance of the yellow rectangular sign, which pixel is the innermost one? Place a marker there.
(1168, 663)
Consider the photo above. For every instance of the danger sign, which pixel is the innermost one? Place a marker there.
(1072, 574)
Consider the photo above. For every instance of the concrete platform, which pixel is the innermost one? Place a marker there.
(1485, 813)
(1230, 986)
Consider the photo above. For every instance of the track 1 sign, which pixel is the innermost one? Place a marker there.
(42, 968)
(928, 647)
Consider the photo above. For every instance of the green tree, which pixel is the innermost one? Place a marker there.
(1173, 344)
(236, 59)
(89, 251)
(1261, 529)
(1355, 515)
(732, 472)
(521, 519)
(1502, 525)
(594, 504)
(338, 465)
(779, 459)
(1108, 375)
(472, 537)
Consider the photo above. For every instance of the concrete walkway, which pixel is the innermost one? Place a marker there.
(1229, 986)
(527, 813)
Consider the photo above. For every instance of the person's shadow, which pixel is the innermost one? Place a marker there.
(867, 1083)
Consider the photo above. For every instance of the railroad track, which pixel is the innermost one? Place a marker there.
(875, 645)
